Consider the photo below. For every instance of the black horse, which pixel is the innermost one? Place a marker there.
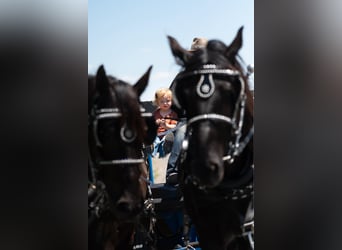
(216, 163)
(118, 185)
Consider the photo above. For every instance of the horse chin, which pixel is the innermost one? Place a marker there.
(126, 217)
(210, 182)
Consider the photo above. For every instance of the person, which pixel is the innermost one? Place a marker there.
(165, 119)
(198, 43)
(171, 170)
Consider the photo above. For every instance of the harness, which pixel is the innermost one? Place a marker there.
(205, 88)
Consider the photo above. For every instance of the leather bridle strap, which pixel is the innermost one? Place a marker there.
(122, 162)
(106, 113)
(209, 69)
(212, 116)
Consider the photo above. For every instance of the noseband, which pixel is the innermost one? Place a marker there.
(205, 88)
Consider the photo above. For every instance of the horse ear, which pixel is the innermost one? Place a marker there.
(181, 55)
(235, 46)
(141, 84)
(102, 82)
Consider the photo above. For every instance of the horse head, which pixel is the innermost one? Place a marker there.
(117, 128)
(213, 91)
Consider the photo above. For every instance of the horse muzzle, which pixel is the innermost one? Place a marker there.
(128, 209)
(207, 174)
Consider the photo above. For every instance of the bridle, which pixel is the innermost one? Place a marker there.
(97, 193)
(127, 135)
(205, 88)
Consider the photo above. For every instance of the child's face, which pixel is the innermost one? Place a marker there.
(165, 102)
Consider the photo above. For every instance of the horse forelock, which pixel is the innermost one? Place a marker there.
(213, 53)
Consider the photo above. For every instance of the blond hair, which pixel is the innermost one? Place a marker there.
(160, 93)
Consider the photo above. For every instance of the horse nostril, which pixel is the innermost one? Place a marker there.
(195, 181)
(129, 207)
(213, 166)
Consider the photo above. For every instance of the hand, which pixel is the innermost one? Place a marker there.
(162, 122)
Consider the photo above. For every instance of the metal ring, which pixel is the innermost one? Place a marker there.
(205, 86)
(127, 135)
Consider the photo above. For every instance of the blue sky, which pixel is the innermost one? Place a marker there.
(129, 36)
